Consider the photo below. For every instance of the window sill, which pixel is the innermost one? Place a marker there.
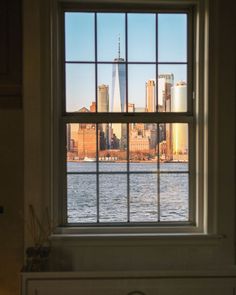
(141, 239)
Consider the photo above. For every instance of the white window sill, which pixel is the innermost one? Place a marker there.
(142, 239)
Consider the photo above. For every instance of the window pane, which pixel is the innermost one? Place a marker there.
(141, 37)
(142, 88)
(172, 37)
(113, 198)
(112, 87)
(113, 147)
(81, 147)
(174, 202)
(143, 147)
(80, 88)
(118, 91)
(143, 197)
(111, 36)
(79, 36)
(81, 198)
(173, 147)
(172, 88)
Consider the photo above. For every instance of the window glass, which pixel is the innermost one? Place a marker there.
(127, 119)
(172, 37)
(79, 36)
(141, 37)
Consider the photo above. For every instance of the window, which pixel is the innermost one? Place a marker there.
(127, 119)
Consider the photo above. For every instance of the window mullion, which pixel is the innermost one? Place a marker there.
(128, 118)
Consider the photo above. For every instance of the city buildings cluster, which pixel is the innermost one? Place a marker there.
(168, 142)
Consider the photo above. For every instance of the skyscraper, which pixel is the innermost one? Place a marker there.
(179, 131)
(179, 97)
(103, 98)
(165, 82)
(118, 101)
(103, 106)
(150, 96)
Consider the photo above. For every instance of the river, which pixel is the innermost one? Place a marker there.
(152, 197)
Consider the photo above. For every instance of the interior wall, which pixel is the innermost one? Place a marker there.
(11, 148)
(139, 254)
(12, 169)
(11, 199)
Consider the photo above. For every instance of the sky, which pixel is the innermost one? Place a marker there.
(141, 36)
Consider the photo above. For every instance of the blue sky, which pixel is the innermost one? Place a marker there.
(80, 46)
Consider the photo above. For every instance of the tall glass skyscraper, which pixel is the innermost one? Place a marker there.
(118, 101)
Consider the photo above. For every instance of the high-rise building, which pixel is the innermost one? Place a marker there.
(103, 106)
(151, 96)
(179, 97)
(118, 101)
(103, 98)
(179, 130)
(165, 82)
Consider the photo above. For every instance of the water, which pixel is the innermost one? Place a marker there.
(143, 204)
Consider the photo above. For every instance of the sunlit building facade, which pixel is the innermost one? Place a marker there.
(118, 101)
(179, 131)
(103, 106)
(151, 96)
(103, 98)
(165, 82)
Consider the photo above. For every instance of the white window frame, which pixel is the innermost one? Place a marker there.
(200, 223)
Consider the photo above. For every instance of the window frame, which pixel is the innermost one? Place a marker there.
(195, 87)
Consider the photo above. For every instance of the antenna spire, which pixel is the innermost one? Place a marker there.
(119, 46)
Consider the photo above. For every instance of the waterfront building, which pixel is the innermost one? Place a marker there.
(103, 106)
(151, 96)
(86, 141)
(179, 130)
(165, 82)
(139, 141)
(74, 128)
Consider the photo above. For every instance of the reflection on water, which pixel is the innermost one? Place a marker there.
(115, 205)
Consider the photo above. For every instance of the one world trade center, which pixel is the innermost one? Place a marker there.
(118, 101)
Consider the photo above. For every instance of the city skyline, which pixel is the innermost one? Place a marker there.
(169, 140)
(80, 46)
(117, 65)
(117, 103)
